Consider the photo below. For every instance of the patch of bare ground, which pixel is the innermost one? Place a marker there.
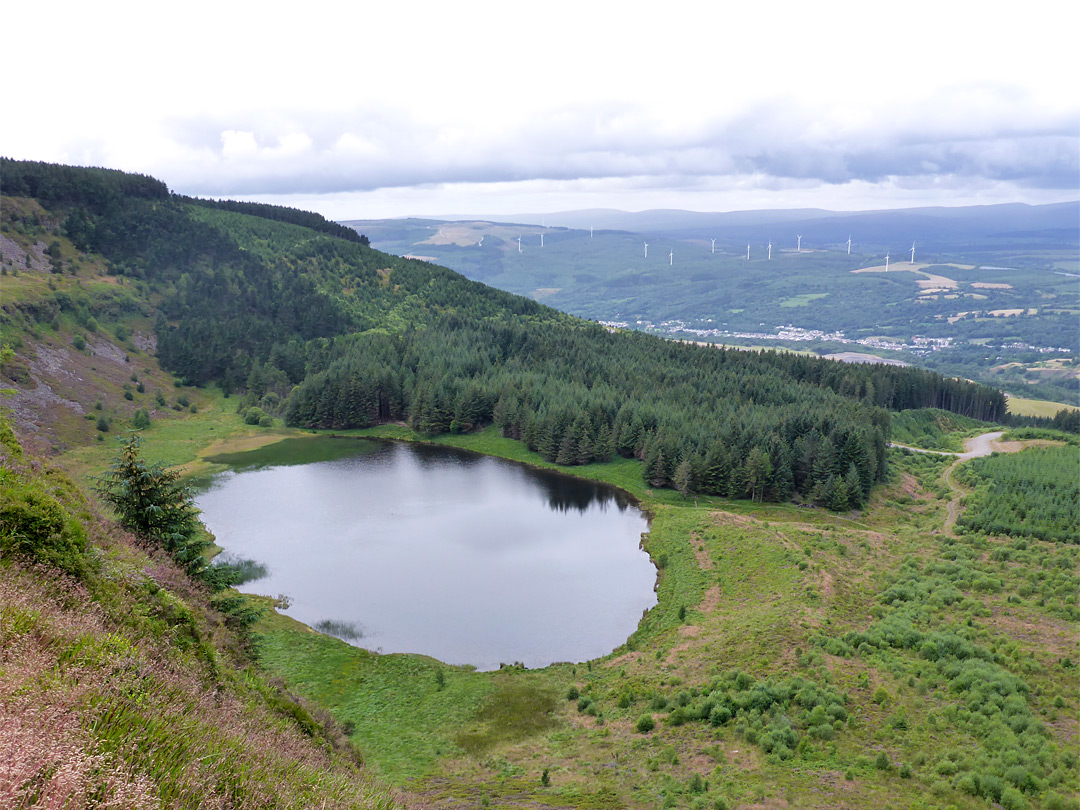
(65, 384)
(1017, 446)
(711, 601)
(828, 591)
(835, 781)
(1055, 636)
(768, 804)
(626, 658)
(910, 486)
(732, 519)
(701, 554)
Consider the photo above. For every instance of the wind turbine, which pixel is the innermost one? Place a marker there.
(912, 253)
(714, 246)
(519, 244)
(886, 262)
(646, 250)
(770, 250)
(671, 258)
(798, 248)
(541, 240)
(481, 242)
(849, 244)
(590, 231)
(748, 251)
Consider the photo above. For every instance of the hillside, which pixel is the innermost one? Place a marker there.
(821, 636)
(992, 295)
(124, 684)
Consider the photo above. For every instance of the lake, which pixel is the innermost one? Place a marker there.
(400, 547)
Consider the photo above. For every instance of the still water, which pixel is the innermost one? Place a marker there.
(408, 548)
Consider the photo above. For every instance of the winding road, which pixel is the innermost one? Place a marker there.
(981, 445)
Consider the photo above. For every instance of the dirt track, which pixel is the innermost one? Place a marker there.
(981, 445)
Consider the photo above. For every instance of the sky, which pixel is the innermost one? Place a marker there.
(364, 110)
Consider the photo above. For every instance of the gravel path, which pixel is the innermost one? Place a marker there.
(981, 445)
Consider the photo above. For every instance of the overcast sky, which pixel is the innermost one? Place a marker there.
(365, 110)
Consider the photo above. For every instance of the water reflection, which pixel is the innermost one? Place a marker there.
(407, 548)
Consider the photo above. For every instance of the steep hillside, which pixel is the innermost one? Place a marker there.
(124, 685)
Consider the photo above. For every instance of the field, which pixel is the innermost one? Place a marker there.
(1036, 407)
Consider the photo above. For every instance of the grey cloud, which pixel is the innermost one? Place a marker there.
(1008, 142)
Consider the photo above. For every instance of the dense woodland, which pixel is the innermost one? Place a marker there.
(272, 304)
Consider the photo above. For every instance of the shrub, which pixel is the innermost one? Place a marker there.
(572, 693)
(79, 342)
(103, 424)
(720, 715)
(142, 419)
(881, 762)
(645, 724)
(265, 421)
(253, 415)
(1013, 799)
(33, 524)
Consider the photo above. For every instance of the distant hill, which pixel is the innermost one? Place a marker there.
(947, 227)
(1003, 306)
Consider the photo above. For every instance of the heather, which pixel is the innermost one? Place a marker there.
(123, 686)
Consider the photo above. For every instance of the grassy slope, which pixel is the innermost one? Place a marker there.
(1035, 407)
(122, 687)
(762, 585)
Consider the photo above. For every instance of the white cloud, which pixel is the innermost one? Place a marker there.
(430, 103)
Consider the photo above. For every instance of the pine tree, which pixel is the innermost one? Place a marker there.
(684, 477)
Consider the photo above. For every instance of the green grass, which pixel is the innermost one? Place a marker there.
(1035, 407)
(391, 704)
(801, 300)
(181, 442)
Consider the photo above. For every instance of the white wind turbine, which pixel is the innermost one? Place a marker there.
(519, 244)
(646, 250)
(849, 245)
(886, 262)
(541, 240)
(798, 248)
(912, 253)
(748, 251)
(714, 246)
(770, 250)
(671, 258)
